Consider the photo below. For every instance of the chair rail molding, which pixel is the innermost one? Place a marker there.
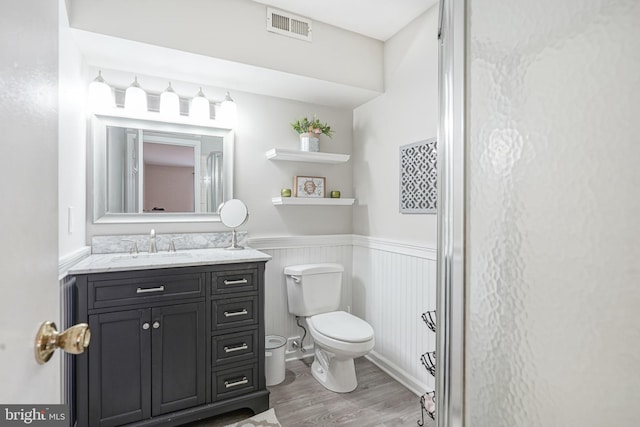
(427, 251)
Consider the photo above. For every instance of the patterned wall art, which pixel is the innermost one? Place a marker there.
(418, 173)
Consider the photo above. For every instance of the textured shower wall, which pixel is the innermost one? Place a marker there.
(553, 234)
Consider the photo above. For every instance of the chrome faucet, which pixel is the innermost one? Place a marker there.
(153, 248)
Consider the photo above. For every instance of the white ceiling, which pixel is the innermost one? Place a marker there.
(379, 19)
(140, 58)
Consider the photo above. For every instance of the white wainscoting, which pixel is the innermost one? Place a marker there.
(292, 251)
(387, 283)
(393, 284)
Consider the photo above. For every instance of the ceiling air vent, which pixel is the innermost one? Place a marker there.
(285, 23)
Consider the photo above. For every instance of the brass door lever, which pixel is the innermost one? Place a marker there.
(74, 340)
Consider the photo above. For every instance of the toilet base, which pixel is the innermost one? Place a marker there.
(335, 375)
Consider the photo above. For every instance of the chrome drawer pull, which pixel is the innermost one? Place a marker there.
(244, 380)
(243, 346)
(146, 290)
(236, 282)
(236, 313)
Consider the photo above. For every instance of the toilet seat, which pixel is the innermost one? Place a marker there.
(342, 326)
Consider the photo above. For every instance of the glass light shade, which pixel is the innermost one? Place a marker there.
(100, 94)
(169, 102)
(228, 112)
(135, 99)
(200, 108)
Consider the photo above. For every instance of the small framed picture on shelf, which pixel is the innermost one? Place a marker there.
(309, 186)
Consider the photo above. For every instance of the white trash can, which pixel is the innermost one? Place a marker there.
(274, 358)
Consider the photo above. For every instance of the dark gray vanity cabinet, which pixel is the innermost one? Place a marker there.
(155, 352)
(170, 346)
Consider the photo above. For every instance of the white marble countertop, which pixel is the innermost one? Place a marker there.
(101, 263)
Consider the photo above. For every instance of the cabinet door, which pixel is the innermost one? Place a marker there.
(119, 368)
(178, 360)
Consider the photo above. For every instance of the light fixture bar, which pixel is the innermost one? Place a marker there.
(153, 102)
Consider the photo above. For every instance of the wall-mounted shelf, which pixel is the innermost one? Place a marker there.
(311, 201)
(306, 156)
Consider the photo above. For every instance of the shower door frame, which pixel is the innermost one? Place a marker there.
(450, 335)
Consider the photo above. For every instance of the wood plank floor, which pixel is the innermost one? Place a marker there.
(379, 401)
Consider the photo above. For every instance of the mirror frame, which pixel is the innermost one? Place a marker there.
(96, 167)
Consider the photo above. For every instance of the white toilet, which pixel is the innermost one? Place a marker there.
(313, 291)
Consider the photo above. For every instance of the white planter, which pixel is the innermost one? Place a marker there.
(309, 142)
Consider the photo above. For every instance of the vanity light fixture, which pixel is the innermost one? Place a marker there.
(228, 112)
(169, 102)
(135, 99)
(200, 108)
(100, 95)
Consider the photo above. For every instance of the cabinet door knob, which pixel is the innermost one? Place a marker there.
(156, 325)
(145, 325)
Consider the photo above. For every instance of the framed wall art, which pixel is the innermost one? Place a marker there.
(309, 186)
(418, 174)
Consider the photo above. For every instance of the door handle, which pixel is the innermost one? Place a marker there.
(73, 340)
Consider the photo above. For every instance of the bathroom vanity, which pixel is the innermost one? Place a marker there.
(174, 337)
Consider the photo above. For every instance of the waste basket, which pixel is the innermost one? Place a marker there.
(274, 359)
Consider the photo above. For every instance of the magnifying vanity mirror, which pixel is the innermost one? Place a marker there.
(147, 170)
(233, 214)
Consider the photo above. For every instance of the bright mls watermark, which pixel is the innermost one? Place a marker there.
(36, 415)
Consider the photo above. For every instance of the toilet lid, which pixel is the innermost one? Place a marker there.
(342, 326)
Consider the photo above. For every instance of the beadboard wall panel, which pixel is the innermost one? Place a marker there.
(392, 286)
(293, 251)
(387, 283)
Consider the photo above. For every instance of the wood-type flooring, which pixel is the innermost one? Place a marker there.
(379, 401)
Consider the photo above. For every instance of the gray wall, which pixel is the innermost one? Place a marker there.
(407, 112)
(263, 123)
(71, 142)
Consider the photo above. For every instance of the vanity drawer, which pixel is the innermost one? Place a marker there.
(233, 281)
(234, 382)
(234, 312)
(234, 347)
(134, 290)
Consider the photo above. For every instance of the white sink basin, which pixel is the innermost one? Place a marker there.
(147, 256)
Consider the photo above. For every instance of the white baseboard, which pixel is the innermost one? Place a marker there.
(389, 368)
(397, 374)
(291, 355)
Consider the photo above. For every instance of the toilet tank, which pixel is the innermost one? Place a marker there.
(313, 288)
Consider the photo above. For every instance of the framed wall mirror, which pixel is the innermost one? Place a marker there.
(149, 170)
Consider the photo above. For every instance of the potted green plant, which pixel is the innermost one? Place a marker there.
(309, 131)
